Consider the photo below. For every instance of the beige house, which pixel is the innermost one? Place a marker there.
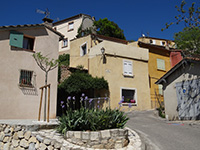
(124, 67)
(69, 28)
(21, 77)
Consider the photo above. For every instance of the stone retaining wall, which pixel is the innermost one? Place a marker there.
(16, 137)
(105, 139)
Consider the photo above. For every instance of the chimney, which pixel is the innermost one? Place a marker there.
(48, 21)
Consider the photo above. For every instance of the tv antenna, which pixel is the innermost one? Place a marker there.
(46, 12)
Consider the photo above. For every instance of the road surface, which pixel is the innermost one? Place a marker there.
(158, 134)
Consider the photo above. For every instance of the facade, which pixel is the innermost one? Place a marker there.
(69, 28)
(21, 77)
(159, 63)
(124, 67)
(182, 90)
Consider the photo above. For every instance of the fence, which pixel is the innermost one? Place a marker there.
(74, 104)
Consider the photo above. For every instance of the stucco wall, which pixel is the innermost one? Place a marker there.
(23, 103)
(63, 28)
(155, 73)
(112, 70)
(185, 73)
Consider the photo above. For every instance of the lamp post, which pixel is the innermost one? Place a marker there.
(103, 50)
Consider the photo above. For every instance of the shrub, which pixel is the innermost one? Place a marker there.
(92, 120)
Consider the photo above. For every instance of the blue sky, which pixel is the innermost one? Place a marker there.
(134, 17)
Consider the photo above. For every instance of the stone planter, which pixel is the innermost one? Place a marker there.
(104, 139)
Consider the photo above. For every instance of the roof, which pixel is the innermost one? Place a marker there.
(30, 26)
(111, 39)
(156, 38)
(178, 65)
(102, 37)
(143, 44)
(70, 18)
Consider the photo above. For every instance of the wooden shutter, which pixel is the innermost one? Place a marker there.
(16, 39)
(160, 90)
(128, 68)
(160, 64)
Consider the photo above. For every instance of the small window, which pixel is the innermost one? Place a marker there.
(65, 43)
(26, 78)
(28, 43)
(71, 26)
(127, 68)
(129, 96)
(160, 89)
(83, 49)
(162, 43)
(161, 64)
(152, 41)
(21, 41)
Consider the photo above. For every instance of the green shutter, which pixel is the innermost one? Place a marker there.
(16, 39)
(160, 64)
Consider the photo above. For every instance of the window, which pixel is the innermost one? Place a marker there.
(26, 78)
(71, 26)
(83, 49)
(20, 40)
(28, 43)
(162, 43)
(161, 64)
(160, 89)
(65, 43)
(127, 68)
(152, 41)
(129, 95)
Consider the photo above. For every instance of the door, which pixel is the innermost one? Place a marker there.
(188, 96)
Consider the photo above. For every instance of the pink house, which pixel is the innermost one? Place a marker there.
(175, 57)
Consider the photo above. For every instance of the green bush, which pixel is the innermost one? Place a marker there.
(91, 120)
(80, 81)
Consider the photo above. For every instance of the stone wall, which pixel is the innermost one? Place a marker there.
(16, 137)
(105, 139)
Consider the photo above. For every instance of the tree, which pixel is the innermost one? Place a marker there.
(63, 61)
(188, 39)
(190, 17)
(46, 65)
(108, 28)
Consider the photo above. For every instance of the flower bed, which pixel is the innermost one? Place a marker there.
(104, 139)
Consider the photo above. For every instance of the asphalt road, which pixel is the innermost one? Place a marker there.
(159, 134)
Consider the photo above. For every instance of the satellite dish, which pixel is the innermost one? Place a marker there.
(143, 35)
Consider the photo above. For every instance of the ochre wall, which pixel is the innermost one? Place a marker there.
(154, 73)
(112, 70)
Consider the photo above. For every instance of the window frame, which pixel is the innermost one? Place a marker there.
(31, 84)
(159, 61)
(70, 29)
(29, 38)
(17, 40)
(63, 46)
(81, 49)
(135, 96)
(124, 68)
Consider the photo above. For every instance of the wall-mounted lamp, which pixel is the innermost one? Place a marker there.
(103, 50)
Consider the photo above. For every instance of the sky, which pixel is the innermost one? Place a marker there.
(133, 17)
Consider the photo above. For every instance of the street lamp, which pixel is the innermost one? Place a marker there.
(103, 50)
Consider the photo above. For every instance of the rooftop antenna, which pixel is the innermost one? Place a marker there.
(46, 12)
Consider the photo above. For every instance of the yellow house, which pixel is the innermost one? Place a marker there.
(124, 67)
(158, 64)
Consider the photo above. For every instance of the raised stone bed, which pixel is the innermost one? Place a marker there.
(104, 139)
